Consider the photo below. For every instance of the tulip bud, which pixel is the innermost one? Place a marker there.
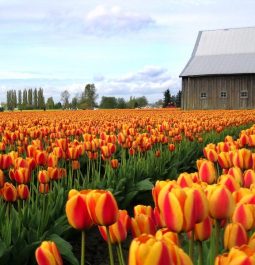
(229, 182)
(103, 208)
(2, 178)
(234, 235)
(249, 178)
(48, 253)
(242, 158)
(114, 163)
(168, 236)
(224, 160)
(9, 192)
(203, 230)
(244, 214)
(43, 177)
(142, 224)
(221, 203)
(23, 192)
(77, 212)
(207, 172)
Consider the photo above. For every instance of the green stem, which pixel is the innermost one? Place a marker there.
(109, 246)
(82, 247)
(191, 246)
(119, 257)
(217, 237)
(200, 253)
(121, 254)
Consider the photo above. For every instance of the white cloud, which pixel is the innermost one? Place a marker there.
(19, 75)
(111, 20)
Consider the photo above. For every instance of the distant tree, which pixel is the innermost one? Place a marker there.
(35, 98)
(14, 98)
(178, 99)
(41, 100)
(137, 102)
(65, 95)
(19, 99)
(167, 98)
(74, 103)
(58, 105)
(121, 103)
(50, 103)
(11, 99)
(24, 100)
(108, 103)
(30, 98)
(88, 97)
(142, 101)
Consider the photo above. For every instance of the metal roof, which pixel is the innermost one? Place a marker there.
(226, 51)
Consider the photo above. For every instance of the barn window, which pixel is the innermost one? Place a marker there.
(203, 95)
(223, 94)
(244, 94)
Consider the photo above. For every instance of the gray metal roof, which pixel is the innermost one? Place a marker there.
(226, 51)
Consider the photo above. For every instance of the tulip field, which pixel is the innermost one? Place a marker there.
(178, 185)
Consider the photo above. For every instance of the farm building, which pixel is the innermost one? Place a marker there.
(221, 71)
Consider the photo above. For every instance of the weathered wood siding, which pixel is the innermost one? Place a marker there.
(213, 87)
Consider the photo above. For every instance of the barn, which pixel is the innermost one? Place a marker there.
(221, 71)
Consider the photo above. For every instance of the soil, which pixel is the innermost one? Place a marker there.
(96, 249)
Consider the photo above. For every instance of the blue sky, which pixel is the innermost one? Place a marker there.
(126, 48)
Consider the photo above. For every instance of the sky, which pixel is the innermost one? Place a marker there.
(126, 48)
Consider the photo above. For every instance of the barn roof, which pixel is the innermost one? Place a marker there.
(225, 51)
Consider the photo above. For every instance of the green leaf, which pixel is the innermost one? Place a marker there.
(64, 248)
(143, 185)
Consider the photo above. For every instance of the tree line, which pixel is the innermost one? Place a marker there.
(34, 99)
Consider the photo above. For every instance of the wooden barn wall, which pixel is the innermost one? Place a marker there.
(192, 87)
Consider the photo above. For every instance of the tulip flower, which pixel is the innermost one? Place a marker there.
(2, 178)
(142, 223)
(244, 214)
(210, 154)
(77, 212)
(242, 158)
(9, 192)
(237, 173)
(102, 207)
(229, 182)
(43, 177)
(114, 163)
(143, 209)
(224, 160)
(207, 172)
(103, 210)
(185, 180)
(48, 254)
(146, 250)
(168, 236)
(234, 235)
(44, 188)
(221, 202)
(249, 178)
(78, 216)
(23, 192)
(203, 230)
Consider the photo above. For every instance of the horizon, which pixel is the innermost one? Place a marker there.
(125, 49)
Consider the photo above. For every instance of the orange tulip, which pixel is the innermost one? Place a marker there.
(147, 250)
(77, 212)
(9, 192)
(114, 163)
(142, 223)
(234, 235)
(168, 236)
(43, 177)
(117, 231)
(203, 230)
(249, 178)
(221, 202)
(41, 157)
(2, 178)
(23, 192)
(22, 175)
(48, 254)
(244, 214)
(103, 208)
(242, 158)
(237, 173)
(210, 154)
(207, 172)
(44, 188)
(229, 182)
(224, 160)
